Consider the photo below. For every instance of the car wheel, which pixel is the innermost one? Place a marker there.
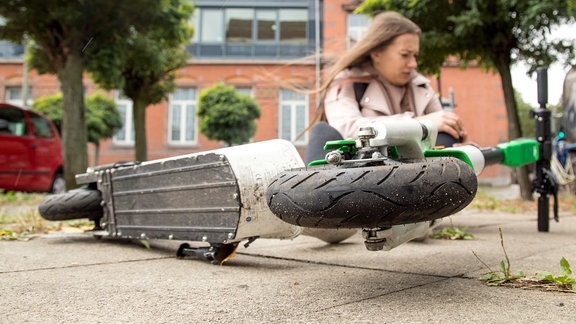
(58, 184)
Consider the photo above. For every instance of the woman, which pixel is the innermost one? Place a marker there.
(385, 61)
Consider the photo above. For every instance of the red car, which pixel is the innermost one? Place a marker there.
(30, 152)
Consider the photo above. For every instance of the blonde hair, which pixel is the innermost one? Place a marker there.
(383, 30)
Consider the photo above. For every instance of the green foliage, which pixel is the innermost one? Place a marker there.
(147, 56)
(453, 233)
(102, 116)
(565, 278)
(496, 278)
(227, 115)
(504, 276)
(9, 235)
(487, 31)
(52, 107)
(20, 198)
(144, 65)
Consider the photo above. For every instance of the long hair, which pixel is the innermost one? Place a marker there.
(383, 30)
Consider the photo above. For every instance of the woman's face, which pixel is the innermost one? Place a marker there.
(396, 62)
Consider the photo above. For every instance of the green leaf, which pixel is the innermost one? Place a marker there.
(146, 244)
(565, 267)
(502, 267)
(521, 274)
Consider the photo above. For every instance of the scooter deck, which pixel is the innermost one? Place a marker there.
(186, 198)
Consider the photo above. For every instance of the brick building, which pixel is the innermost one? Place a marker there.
(259, 47)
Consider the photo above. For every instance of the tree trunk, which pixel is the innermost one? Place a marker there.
(140, 145)
(74, 134)
(514, 128)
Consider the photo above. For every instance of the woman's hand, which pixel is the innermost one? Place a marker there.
(447, 122)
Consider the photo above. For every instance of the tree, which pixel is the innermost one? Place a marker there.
(226, 115)
(102, 120)
(494, 33)
(102, 116)
(65, 36)
(146, 66)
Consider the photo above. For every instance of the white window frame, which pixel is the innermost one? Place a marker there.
(182, 105)
(355, 31)
(293, 105)
(16, 99)
(127, 122)
(247, 90)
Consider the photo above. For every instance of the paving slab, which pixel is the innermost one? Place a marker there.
(77, 278)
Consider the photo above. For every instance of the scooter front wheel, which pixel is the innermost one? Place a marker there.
(372, 196)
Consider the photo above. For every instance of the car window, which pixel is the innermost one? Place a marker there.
(41, 127)
(16, 122)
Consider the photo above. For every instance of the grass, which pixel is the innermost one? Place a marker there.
(19, 218)
(10, 198)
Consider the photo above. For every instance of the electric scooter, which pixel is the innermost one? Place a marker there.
(389, 181)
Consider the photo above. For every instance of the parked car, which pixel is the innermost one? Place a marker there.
(30, 152)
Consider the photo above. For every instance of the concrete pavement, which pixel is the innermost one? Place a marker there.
(75, 278)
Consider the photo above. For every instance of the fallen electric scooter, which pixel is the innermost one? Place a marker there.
(390, 182)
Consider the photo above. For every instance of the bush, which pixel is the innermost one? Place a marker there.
(226, 115)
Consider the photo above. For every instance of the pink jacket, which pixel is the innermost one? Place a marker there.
(341, 107)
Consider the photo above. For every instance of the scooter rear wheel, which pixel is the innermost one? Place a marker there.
(74, 204)
(373, 196)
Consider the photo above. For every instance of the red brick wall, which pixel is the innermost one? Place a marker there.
(265, 80)
(480, 104)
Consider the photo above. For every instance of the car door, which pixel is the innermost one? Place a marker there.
(45, 155)
(15, 149)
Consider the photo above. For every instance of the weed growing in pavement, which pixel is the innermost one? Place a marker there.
(564, 280)
(452, 233)
(542, 280)
(504, 275)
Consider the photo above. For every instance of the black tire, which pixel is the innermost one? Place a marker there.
(74, 204)
(58, 184)
(371, 197)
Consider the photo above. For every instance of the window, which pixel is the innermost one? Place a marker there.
(11, 50)
(211, 30)
(293, 116)
(16, 121)
(244, 90)
(182, 117)
(357, 25)
(41, 127)
(293, 26)
(252, 32)
(266, 25)
(125, 135)
(14, 96)
(239, 25)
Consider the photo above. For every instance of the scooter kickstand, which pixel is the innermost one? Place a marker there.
(215, 253)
